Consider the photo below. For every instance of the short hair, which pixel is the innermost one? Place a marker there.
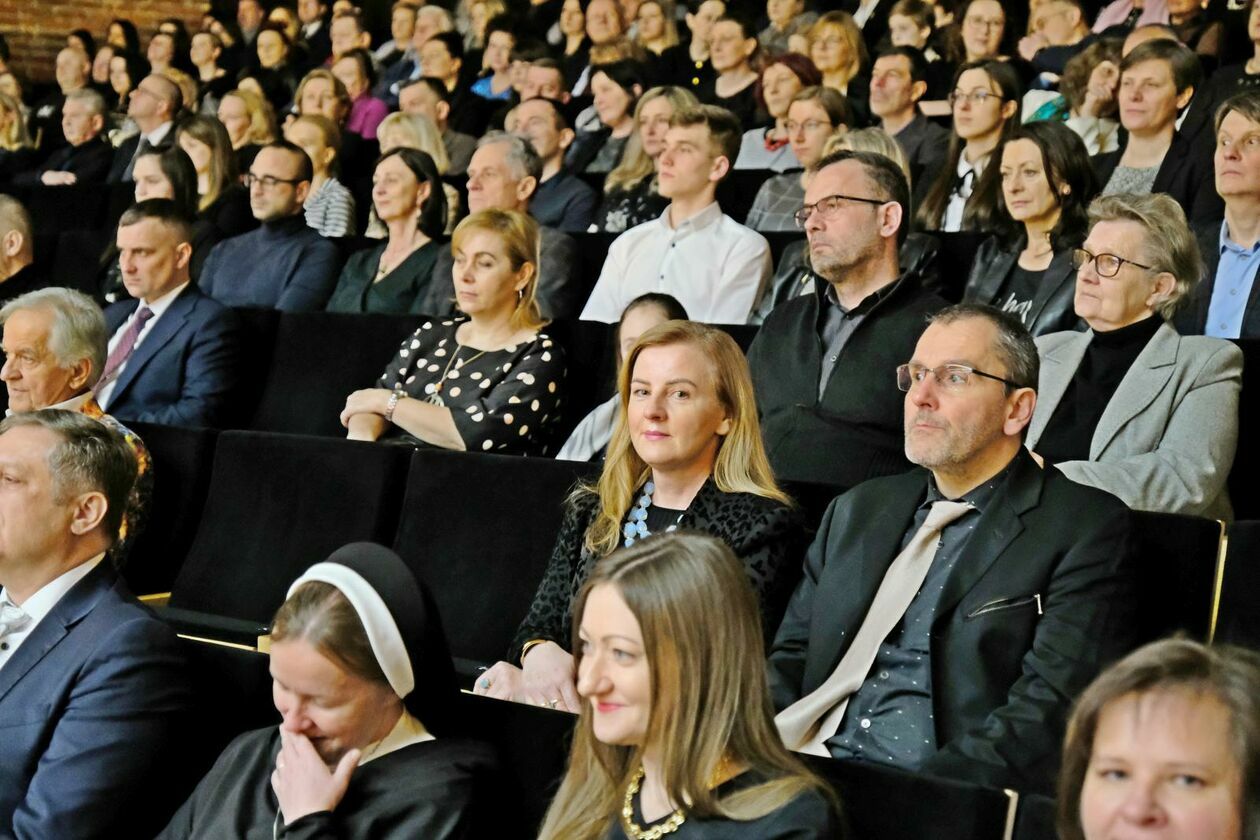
(918, 64)
(437, 11)
(557, 110)
(873, 139)
(725, 132)
(94, 101)
(522, 159)
(363, 58)
(830, 100)
(354, 16)
(1168, 245)
(1187, 72)
(319, 614)
(454, 43)
(670, 305)
(90, 457)
(1247, 104)
(1230, 675)
(917, 10)
(78, 326)
(1014, 345)
(890, 182)
(549, 63)
(14, 216)
(163, 210)
(174, 95)
(306, 170)
(433, 83)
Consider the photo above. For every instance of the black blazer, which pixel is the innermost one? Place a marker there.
(766, 535)
(1186, 174)
(89, 162)
(127, 150)
(1192, 319)
(1053, 308)
(1038, 603)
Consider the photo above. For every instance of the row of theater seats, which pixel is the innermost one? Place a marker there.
(238, 515)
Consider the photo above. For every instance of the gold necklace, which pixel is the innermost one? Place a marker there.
(670, 825)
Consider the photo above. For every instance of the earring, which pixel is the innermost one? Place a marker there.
(520, 294)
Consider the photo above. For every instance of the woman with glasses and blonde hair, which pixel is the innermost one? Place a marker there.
(630, 190)
(834, 43)
(488, 381)
(1166, 743)
(686, 452)
(1130, 406)
(676, 734)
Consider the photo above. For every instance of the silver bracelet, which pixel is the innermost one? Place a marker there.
(391, 405)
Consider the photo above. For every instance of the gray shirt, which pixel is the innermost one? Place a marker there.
(837, 325)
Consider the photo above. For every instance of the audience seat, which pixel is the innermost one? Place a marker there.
(1179, 561)
(1238, 621)
(957, 253)
(1242, 490)
(738, 190)
(181, 460)
(1035, 818)
(779, 241)
(592, 370)
(276, 505)
(75, 206)
(78, 259)
(258, 342)
(478, 530)
(319, 359)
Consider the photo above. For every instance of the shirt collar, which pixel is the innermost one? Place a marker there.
(979, 497)
(706, 217)
(158, 134)
(164, 302)
(46, 597)
(407, 731)
(1230, 245)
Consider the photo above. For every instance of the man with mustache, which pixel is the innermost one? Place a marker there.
(822, 363)
(948, 617)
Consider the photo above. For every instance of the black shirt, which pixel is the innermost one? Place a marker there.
(1018, 292)
(1107, 359)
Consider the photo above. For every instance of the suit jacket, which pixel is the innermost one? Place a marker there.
(1166, 440)
(185, 371)
(1192, 319)
(127, 150)
(1186, 174)
(1037, 603)
(90, 162)
(1053, 307)
(92, 707)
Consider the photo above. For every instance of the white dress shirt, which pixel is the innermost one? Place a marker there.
(158, 307)
(42, 602)
(713, 265)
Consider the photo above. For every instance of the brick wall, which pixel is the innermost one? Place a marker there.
(36, 29)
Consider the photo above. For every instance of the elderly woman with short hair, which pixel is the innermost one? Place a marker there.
(1130, 406)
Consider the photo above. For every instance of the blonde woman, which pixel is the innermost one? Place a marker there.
(221, 199)
(488, 381)
(838, 51)
(630, 192)
(686, 453)
(676, 732)
(250, 123)
(16, 151)
(416, 131)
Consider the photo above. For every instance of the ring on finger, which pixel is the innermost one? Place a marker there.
(551, 704)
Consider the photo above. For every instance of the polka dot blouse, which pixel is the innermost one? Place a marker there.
(503, 401)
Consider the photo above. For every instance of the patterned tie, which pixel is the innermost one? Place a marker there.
(125, 345)
(12, 619)
(807, 724)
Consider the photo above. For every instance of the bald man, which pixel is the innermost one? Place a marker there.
(18, 274)
(154, 105)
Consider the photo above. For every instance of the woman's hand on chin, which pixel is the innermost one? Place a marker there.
(303, 783)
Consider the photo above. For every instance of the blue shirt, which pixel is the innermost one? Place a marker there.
(1234, 275)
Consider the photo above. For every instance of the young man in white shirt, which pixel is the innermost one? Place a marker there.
(713, 265)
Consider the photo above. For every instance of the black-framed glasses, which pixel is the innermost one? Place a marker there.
(951, 377)
(829, 206)
(976, 97)
(268, 182)
(1107, 265)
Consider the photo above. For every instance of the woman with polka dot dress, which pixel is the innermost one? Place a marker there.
(489, 381)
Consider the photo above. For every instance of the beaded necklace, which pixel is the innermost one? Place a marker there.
(636, 527)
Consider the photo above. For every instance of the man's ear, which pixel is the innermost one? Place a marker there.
(443, 110)
(525, 188)
(1020, 413)
(566, 138)
(918, 90)
(12, 242)
(89, 512)
(183, 254)
(721, 166)
(80, 372)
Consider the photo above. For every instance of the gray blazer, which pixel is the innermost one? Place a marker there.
(1166, 440)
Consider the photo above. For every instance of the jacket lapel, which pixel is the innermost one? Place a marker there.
(1148, 375)
(996, 272)
(1057, 369)
(167, 326)
(73, 606)
(1059, 271)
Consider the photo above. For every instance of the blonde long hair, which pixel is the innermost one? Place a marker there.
(635, 165)
(519, 233)
(741, 465)
(16, 136)
(709, 702)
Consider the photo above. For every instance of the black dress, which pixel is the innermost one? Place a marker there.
(393, 293)
(502, 401)
(806, 817)
(431, 790)
(620, 210)
(765, 534)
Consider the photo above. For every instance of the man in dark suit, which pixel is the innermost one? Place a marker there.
(174, 354)
(948, 618)
(93, 694)
(899, 80)
(1227, 303)
(87, 156)
(154, 104)
(820, 363)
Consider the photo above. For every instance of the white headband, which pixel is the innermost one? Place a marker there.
(382, 630)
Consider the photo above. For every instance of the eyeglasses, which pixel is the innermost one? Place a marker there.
(976, 97)
(811, 126)
(268, 182)
(828, 207)
(949, 377)
(984, 23)
(1107, 265)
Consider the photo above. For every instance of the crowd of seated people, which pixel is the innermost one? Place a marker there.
(989, 264)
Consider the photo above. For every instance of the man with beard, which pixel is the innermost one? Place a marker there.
(822, 364)
(949, 617)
